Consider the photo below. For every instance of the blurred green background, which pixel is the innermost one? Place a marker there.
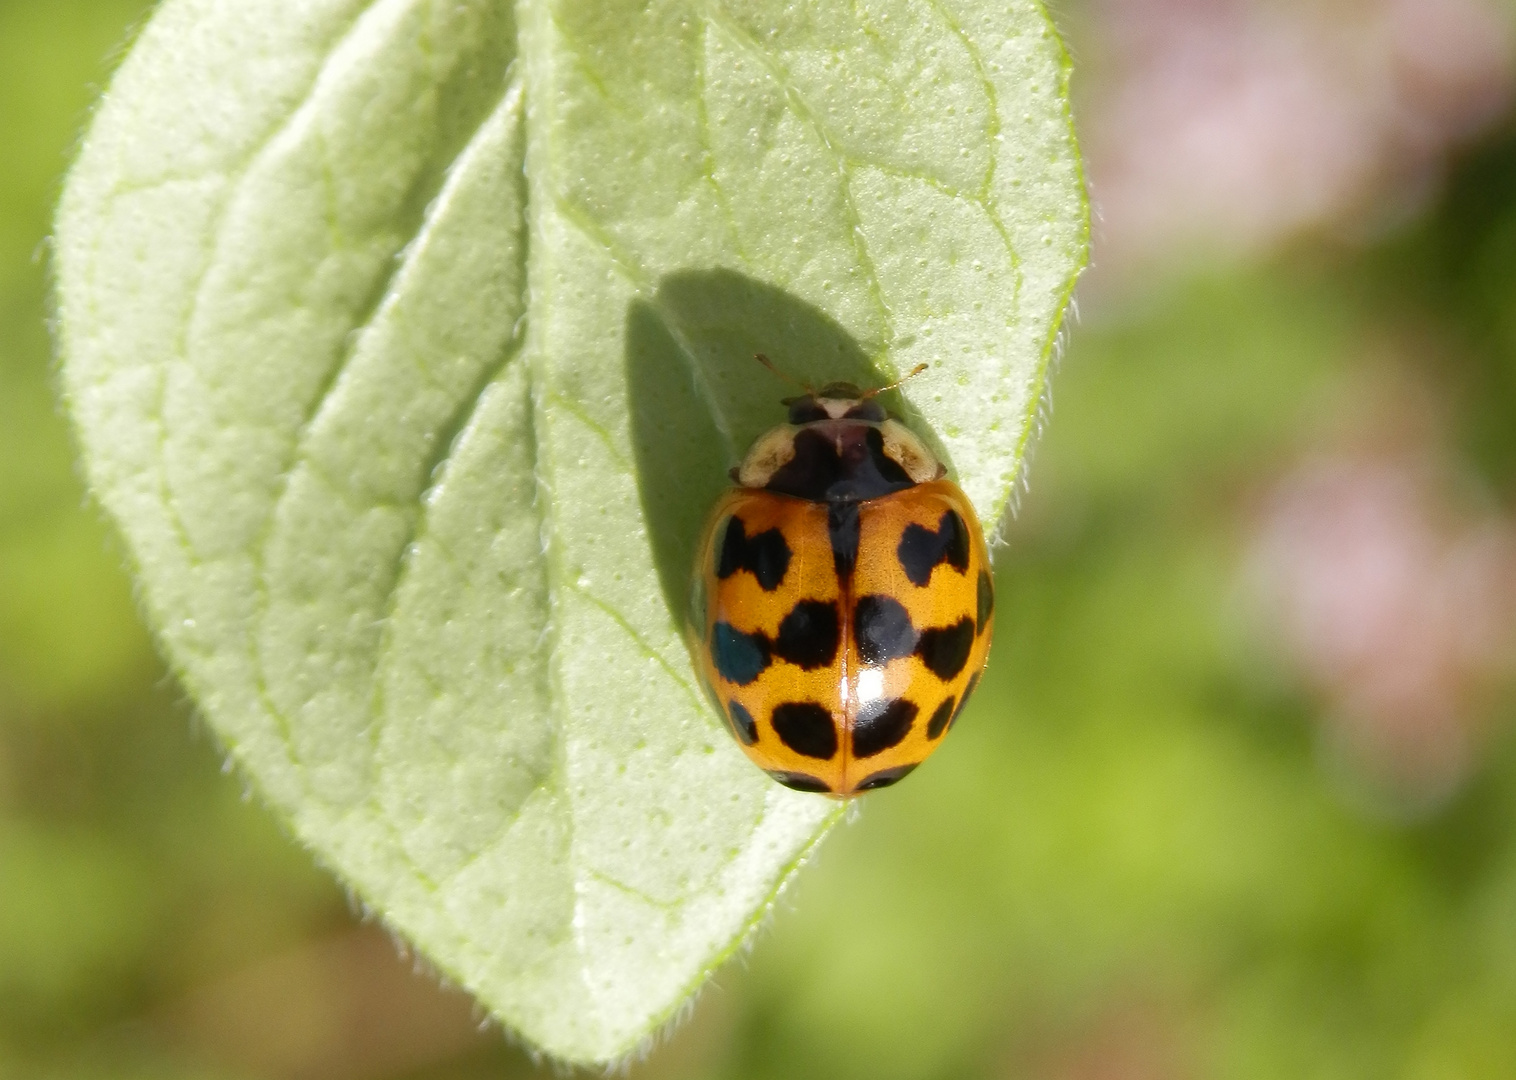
(1238, 795)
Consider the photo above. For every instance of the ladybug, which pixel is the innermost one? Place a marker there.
(842, 603)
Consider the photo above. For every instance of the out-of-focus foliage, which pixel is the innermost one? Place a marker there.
(1168, 840)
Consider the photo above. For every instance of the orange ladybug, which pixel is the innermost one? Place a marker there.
(842, 603)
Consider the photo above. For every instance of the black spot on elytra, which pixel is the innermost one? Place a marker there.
(809, 635)
(882, 628)
(765, 554)
(842, 531)
(806, 728)
(740, 658)
(921, 548)
(967, 690)
(945, 649)
(881, 725)
(743, 724)
(986, 600)
(886, 777)
(941, 719)
(800, 781)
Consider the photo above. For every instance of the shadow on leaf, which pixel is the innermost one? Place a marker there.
(698, 397)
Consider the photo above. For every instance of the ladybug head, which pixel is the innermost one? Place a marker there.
(835, 401)
(869, 455)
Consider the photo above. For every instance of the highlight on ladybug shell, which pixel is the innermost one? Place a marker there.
(843, 605)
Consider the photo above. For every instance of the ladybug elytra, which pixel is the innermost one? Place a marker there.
(843, 606)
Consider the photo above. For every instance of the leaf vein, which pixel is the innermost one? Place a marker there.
(447, 436)
(802, 109)
(157, 412)
(630, 890)
(642, 644)
(708, 147)
(642, 281)
(577, 412)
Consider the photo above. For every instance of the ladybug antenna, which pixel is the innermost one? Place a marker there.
(907, 377)
(766, 362)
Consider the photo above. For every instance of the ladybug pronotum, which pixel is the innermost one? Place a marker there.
(842, 606)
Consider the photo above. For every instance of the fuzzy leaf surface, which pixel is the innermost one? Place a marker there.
(408, 343)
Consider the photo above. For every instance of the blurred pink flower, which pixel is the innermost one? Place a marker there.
(1222, 127)
(1399, 610)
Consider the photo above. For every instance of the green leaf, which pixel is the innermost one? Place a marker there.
(409, 342)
